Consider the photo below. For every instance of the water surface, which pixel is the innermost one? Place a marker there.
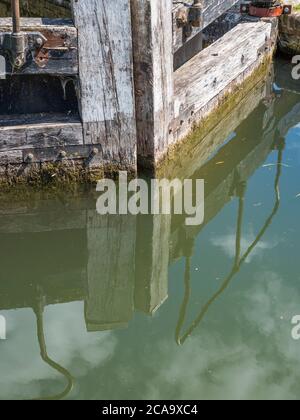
(120, 307)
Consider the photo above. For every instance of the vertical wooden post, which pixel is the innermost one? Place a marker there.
(153, 71)
(106, 78)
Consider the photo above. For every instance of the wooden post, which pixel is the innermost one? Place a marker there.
(106, 78)
(153, 71)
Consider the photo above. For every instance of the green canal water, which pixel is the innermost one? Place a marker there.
(124, 307)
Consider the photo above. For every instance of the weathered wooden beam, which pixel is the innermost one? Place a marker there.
(203, 82)
(106, 77)
(153, 71)
(212, 9)
(58, 56)
(191, 156)
(22, 132)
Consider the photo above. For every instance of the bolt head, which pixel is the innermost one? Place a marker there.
(39, 42)
(18, 62)
(29, 157)
(62, 154)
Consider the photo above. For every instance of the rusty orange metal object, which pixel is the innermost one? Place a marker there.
(262, 11)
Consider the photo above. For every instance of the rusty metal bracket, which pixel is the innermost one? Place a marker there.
(18, 46)
(191, 15)
(265, 9)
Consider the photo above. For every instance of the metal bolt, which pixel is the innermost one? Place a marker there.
(39, 42)
(29, 157)
(62, 154)
(18, 62)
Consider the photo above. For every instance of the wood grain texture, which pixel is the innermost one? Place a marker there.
(192, 155)
(153, 68)
(30, 133)
(201, 83)
(58, 55)
(106, 77)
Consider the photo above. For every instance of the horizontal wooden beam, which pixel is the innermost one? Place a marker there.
(202, 83)
(212, 9)
(193, 155)
(58, 56)
(24, 132)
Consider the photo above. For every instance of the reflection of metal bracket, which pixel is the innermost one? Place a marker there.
(19, 45)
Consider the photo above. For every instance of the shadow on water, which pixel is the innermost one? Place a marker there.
(59, 250)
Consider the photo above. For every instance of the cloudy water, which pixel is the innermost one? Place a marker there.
(124, 307)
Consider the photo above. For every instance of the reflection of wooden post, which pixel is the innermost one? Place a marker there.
(111, 247)
(152, 262)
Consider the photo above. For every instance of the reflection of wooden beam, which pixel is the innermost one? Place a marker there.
(289, 120)
(245, 158)
(110, 273)
(152, 262)
(192, 155)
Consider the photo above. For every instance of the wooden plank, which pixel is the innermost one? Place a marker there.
(215, 72)
(192, 155)
(106, 77)
(59, 54)
(153, 68)
(39, 131)
(212, 9)
(110, 273)
(31, 155)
